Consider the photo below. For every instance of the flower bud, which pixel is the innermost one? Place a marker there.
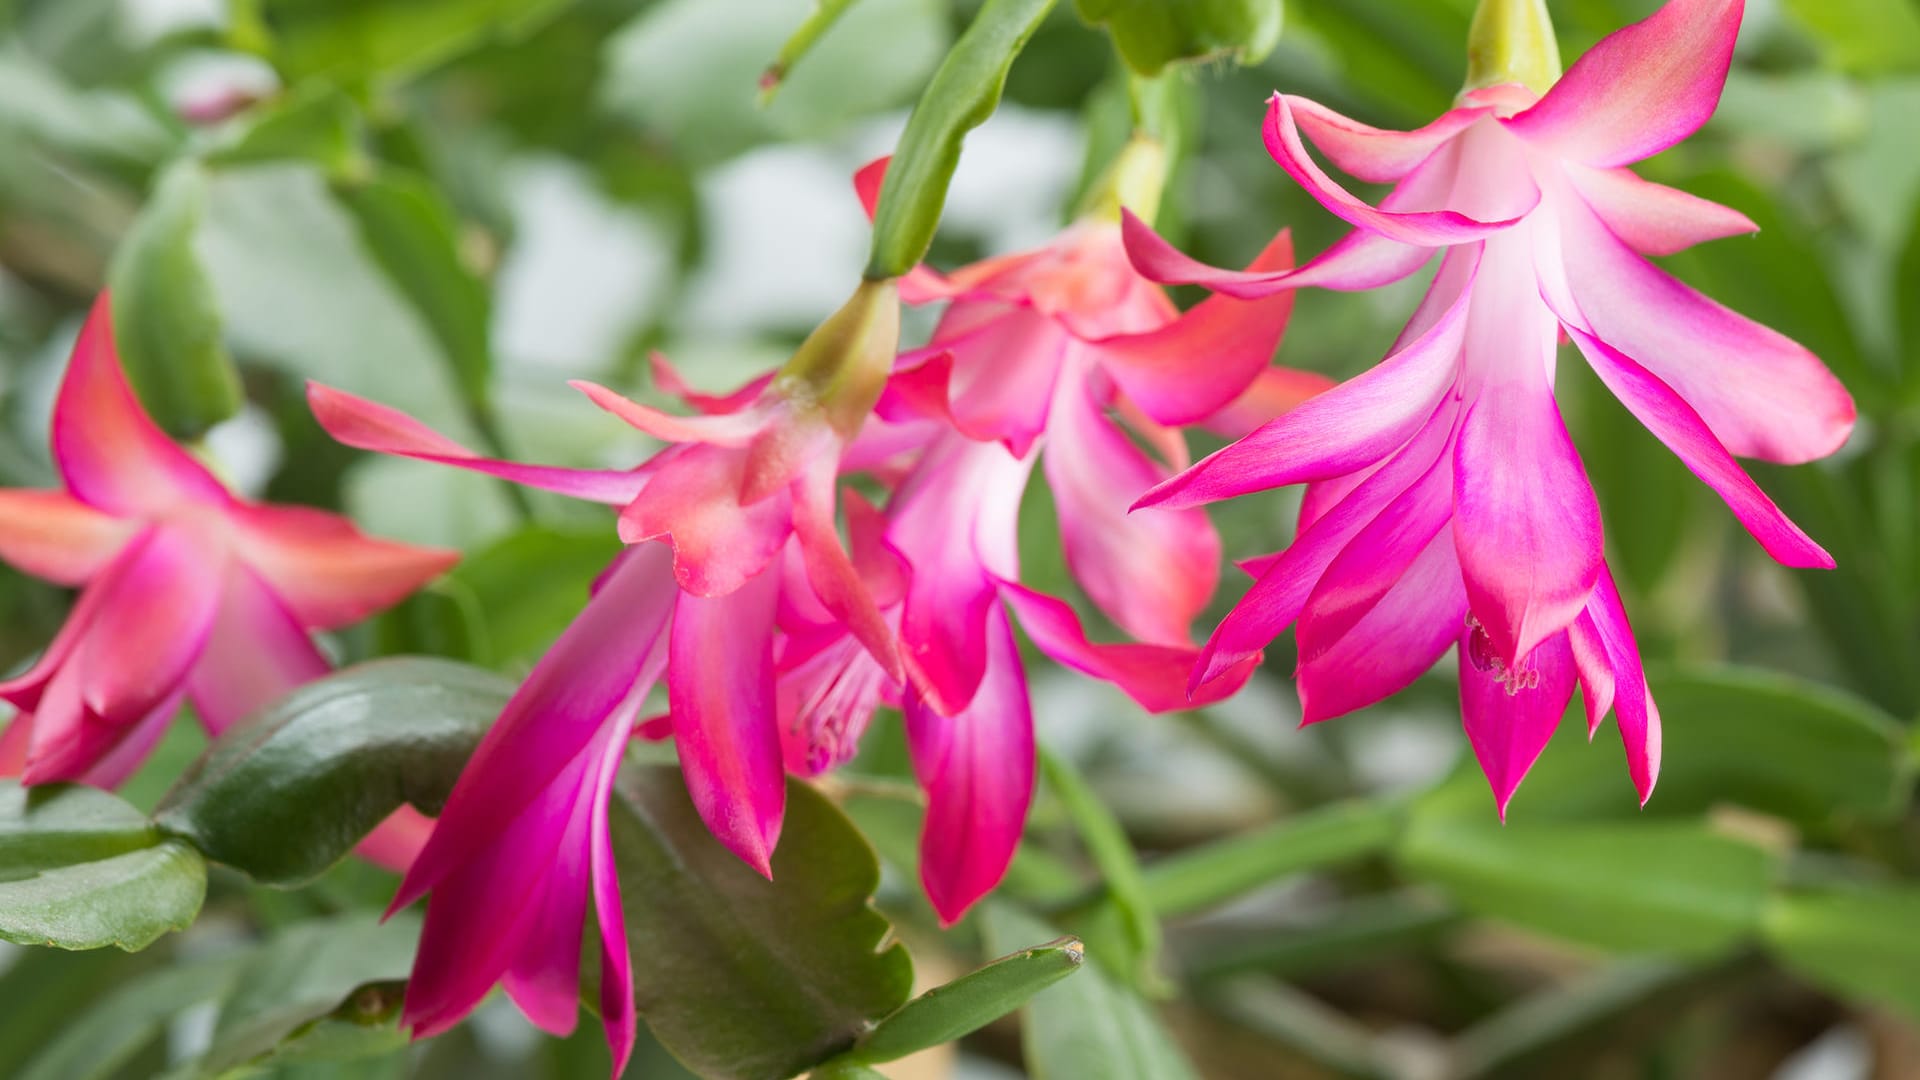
(1511, 41)
(843, 365)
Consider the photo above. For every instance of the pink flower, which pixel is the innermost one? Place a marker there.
(187, 593)
(1032, 360)
(731, 524)
(1544, 231)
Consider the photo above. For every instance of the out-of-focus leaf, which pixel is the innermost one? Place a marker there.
(165, 323)
(81, 869)
(686, 71)
(1866, 37)
(1086, 1028)
(354, 40)
(315, 123)
(503, 606)
(741, 977)
(1112, 853)
(1151, 34)
(961, 95)
(1768, 742)
(1556, 1032)
(1858, 941)
(1906, 284)
(46, 988)
(1205, 876)
(1359, 930)
(414, 236)
(968, 1003)
(98, 1041)
(1667, 887)
(288, 792)
(329, 985)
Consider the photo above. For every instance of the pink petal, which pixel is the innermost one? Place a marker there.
(397, 840)
(1274, 392)
(1152, 572)
(153, 625)
(597, 674)
(1005, 362)
(1155, 676)
(955, 522)
(506, 909)
(366, 425)
(1511, 713)
(1526, 524)
(1373, 154)
(54, 536)
(1193, 366)
(836, 583)
(256, 653)
(1761, 394)
(977, 769)
(1376, 559)
(1608, 660)
(1396, 641)
(1654, 219)
(112, 768)
(111, 454)
(328, 572)
(1362, 259)
(827, 693)
(721, 429)
(1675, 423)
(1350, 426)
(667, 380)
(617, 1013)
(1286, 581)
(725, 720)
(1516, 195)
(1640, 90)
(694, 501)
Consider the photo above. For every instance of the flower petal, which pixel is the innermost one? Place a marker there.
(597, 674)
(1511, 191)
(54, 536)
(721, 428)
(1642, 89)
(1190, 368)
(1005, 362)
(153, 625)
(1510, 720)
(1286, 580)
(1654, 219)
(1152, 572)
(1373, 154)
(256, 652)
(1348, 427)
(1273, 393)
(694, 501)
(617, 1011)
(328, 572)
(1155, 676)
(110, 452)
(1760, 393)
(1396, 641)
(977, 769)
(367, 425)
(949, 590)
(836, 582)
(1526, 524)
(1675, 423)
(725, 720)
(1611, 675)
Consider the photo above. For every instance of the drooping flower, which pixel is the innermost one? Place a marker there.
(731, 522)
(188, 593)
(1034, 360)
(1446, 504)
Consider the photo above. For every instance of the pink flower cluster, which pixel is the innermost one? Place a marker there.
(777, 645)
